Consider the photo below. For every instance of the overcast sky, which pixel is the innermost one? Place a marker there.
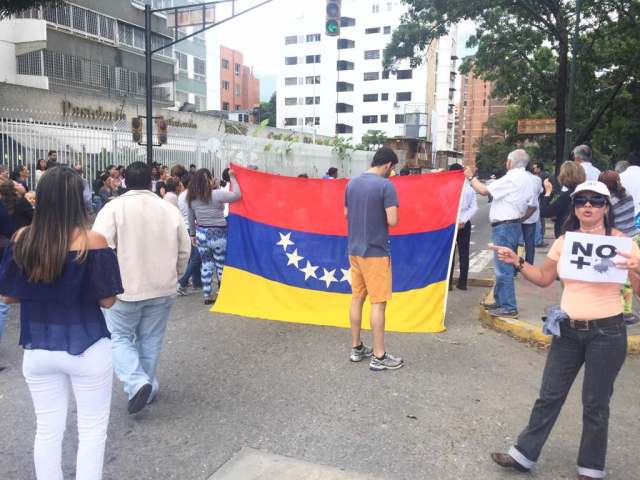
(260, 33)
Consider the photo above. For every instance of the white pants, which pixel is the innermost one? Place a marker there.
(49, 375)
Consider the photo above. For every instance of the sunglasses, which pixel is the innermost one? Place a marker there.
(596, 201)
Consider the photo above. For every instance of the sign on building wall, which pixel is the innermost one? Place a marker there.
(537, 126)
(191, 17)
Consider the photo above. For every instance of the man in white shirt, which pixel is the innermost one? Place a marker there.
(583, 155)
(153, 247)
(630, 179)
(511, 198)
(468, 208)
(529, 224)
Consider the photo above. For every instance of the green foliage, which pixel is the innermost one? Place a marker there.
(343, 147)
(267, 111)
(372, 140)
(11, 7)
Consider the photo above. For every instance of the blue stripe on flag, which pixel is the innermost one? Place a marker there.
(320, 262)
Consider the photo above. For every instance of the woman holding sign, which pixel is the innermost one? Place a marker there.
(592, 333)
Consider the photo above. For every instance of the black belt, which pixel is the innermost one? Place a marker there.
(504, 222)
(213, 226)
(595, 324)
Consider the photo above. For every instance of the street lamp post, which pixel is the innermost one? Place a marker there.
(149, 50)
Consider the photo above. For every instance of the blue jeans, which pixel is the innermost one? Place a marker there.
(193, 270)
(4, 313)
(529, 234)
(539, 231)
(504, 292)
(137, 331)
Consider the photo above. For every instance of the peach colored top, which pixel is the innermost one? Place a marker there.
(588, 300)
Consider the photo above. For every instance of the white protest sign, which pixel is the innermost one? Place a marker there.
(590, 258)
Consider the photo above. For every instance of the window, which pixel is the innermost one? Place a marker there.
(182, 60)
(313, 37)
(343, 43)
(368, 76)
(238, 107)
(199, 68)
(385, 74)
(375, 8)
(389, 6)
(342, 65)
(343, 128)
(347, 22)
(344, 87)
(369, 119)
(399, 118)
(291, 60)
(344, 108)
(370, 97)
(404, 74)
(313, 59)
(290, 122)
(225, 85)
(403, 97)
(237, 69)
(290, 40)
(371, 54)
(312, 100)
(291, 81)
(369, 31)
(312, 120)
(384, 118)
(237, 92)
(386, 30)
(225, 64)
(225, 106)
(291, 101)
(384, 97)
(312, 80)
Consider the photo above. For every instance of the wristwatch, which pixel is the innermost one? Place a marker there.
(520, 265)
(471, 178)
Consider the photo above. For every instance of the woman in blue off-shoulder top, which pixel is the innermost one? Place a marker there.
(62, 273)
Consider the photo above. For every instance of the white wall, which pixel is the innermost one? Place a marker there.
(25, 35)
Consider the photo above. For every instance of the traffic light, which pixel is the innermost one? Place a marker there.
(161, 125)
(333, 17)
(136, 130)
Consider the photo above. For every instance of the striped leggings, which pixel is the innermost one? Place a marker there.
(212, 245)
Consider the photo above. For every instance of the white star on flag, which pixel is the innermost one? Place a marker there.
(309, 271)
(294, 258)
(346, 275)
(328, 277)
(285, 240)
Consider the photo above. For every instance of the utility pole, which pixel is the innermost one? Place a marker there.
(149, 50)
(573, 73)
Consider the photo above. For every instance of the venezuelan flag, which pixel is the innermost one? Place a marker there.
(287, 251)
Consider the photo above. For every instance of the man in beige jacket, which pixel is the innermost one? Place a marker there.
(153, 247)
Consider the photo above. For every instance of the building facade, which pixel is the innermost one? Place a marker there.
(337, 85)
(476, 107)
(442, 71)
(239, 88)
(90, 46)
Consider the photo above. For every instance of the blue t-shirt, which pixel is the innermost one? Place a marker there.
(366, 198)
(63, 315)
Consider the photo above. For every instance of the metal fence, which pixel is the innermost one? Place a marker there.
(26, 137)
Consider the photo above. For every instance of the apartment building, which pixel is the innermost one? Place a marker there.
(88, 47)
(239, 88)
(337, 85)
(476, 107)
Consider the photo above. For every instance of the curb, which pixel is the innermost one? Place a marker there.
(526, 332)
(477, 282)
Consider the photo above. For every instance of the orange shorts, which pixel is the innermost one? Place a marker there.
(371, 276)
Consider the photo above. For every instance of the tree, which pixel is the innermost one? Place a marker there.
(11, 7)
(267, 110)
(372, 140)
(531, 39)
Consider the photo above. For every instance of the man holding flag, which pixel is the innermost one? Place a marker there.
(371, 207)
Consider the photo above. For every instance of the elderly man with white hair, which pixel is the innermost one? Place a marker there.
(511, 196)
(583, 155)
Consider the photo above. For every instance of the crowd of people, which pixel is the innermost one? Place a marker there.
(96, 300)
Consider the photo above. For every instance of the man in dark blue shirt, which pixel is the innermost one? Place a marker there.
(371, 207)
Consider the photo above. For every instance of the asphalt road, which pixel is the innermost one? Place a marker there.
(229, 382)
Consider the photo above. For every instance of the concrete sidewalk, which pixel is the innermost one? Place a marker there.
(532, 302)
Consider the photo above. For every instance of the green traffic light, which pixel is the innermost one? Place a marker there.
(332, 27)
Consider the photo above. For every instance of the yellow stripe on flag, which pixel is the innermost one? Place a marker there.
(250, 295)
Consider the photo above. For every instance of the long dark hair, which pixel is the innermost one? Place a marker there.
(8, 195)
(41, 249)
(200, 186)
(572, 224)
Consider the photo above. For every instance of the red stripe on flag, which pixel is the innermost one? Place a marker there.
(427, 202)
